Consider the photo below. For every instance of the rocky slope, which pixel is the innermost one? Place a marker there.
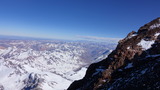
(134, 64)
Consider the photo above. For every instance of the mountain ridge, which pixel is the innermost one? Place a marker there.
(135, 50)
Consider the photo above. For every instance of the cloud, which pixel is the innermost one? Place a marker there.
(102, 39)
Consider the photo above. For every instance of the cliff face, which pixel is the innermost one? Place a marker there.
(133, 64)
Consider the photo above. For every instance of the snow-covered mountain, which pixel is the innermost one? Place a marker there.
(133, 65)
(46, 64)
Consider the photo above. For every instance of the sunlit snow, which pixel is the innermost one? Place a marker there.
(157, 34)
(154, 26)
(146, 44)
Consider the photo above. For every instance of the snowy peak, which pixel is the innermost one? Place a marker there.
(136, 56)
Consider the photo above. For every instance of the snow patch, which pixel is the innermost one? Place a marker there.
(76, 75)
(128, 66)
(97, 71)
(154, 26)
(157, 34)
(156, 55)
(144, 71)
(146, 44)
(132, 35)
(23, 55)
(128, 47)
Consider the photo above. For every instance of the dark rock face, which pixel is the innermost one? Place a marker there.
(1, 87)
(134, 64)
(32, 82)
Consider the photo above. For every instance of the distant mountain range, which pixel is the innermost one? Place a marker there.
(35, 64)
(133, 65)
(79, 39)
(12, 37)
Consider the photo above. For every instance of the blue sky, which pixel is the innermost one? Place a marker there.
(71, 19)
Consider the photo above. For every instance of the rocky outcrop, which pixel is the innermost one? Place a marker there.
(1, 87)
(33, 82)
(133, 64)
